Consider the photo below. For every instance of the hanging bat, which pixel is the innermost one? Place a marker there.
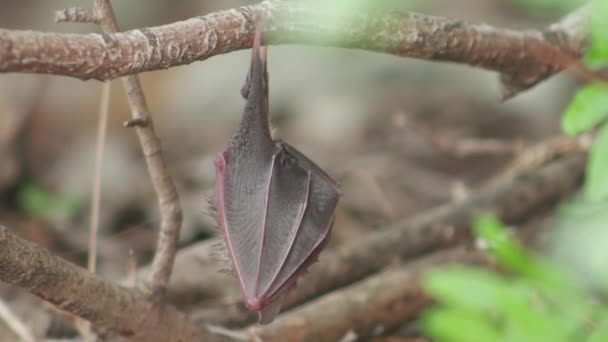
(275, 206)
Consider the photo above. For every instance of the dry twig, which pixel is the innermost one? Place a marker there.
(523, 58)
(168, 198)
(96, 193)
(14, 323)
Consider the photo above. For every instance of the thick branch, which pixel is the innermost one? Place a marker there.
(105, 304)
(523, 57)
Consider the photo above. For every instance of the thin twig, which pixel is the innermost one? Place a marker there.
(131, 269)
(534, 156)
(170, 208)
(104, 106)
(523, 58)
(231, 334)
(14, 323)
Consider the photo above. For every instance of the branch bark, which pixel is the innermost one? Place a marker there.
(523, 58)
(74, 289)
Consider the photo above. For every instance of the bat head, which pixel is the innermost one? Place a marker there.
(275, 206)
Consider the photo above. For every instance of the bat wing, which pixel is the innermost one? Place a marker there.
(243, 175)
(312, 230)
(275, 220)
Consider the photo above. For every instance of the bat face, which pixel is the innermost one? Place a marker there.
(275, 206)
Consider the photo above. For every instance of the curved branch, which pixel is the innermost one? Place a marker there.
(73, 289)
(524, 58)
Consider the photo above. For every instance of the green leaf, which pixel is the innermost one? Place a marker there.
(579, 240)
(597, 52)
(464, 287)
(599, 333)
(501, 244)
(596, 182)
(450, 325)
(35, 200)
(552, 280)
(588, 108)
(38, 202)
(530, 317)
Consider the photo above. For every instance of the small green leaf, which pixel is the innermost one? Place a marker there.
(40, 203)
(501, 244)
(596, 182)
(35, 200)
(449, 325)
(464, 287)
(588, 108)
(597, 54)
(552, 280)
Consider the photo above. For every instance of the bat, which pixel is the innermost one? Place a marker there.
(275, 206)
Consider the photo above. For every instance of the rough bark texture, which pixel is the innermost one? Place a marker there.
(524, 58)
(74, 289)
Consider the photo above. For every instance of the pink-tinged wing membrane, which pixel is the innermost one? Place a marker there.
(313, 231)
(288, 198)
(275, 206)
(243, 177)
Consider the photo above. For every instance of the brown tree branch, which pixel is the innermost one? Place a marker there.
(523, 58)
(74, 289)
(447, 225)
(168, 198)
(78, 15)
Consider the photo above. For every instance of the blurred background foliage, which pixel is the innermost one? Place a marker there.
(555, 299)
